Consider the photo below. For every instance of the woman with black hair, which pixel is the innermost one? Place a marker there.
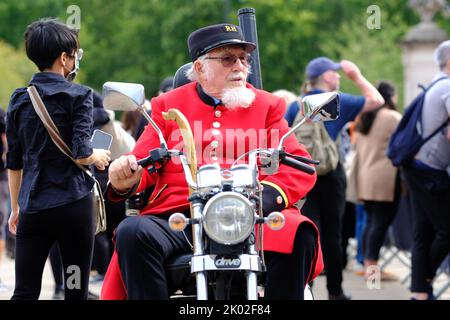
(51, 198)
(377, 178)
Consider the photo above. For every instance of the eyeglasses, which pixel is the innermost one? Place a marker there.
(228, 60)
(78, 55)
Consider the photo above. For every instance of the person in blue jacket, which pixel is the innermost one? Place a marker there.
(325, 203)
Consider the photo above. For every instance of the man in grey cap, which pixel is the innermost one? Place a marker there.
(225, 109)
(322, 76)
(429, 184)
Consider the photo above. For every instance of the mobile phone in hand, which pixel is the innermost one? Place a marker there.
(101, 140)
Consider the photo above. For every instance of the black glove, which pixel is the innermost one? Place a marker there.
(271, 200)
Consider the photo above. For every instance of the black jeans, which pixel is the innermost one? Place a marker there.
(143, 243)
(56, 263)
(379, 217)
(72, 226)
(325, 205)
(430, 201)
(348, 229)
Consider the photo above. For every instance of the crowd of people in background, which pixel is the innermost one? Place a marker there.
(376, 183)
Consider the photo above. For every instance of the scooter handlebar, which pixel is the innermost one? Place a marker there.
(291, 162)
(145, 162)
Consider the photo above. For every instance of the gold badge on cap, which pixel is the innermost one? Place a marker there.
(230, 28)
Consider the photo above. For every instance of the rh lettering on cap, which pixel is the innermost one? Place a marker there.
(230, 29)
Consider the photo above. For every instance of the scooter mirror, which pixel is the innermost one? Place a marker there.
(317, 107)
(321, 107)
(122, 96)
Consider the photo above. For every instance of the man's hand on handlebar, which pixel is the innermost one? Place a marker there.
(124, 173)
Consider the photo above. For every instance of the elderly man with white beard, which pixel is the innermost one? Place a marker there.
(229, 117)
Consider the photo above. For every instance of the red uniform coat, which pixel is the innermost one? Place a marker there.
(236, 132)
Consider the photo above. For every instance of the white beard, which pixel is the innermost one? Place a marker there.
(237, 97)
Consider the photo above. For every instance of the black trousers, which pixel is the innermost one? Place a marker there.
(56, 263)
(325, 205)
(379, 217)
(430, 202)
(287, 274)
(143, 243)
(72, 226)
(348, 229)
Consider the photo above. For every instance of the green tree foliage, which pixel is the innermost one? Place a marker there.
(376, 51)
(16, 71)
(15, 15)
(140, 41)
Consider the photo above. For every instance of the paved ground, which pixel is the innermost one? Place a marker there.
(48, 284)
(354, 285)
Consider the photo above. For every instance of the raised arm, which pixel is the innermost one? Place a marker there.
(373, 97)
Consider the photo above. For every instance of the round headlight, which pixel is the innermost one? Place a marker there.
(228, 218)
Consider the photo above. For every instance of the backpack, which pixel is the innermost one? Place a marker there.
(314, 136)
(407, 138)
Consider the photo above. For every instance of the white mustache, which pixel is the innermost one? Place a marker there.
(237, 76)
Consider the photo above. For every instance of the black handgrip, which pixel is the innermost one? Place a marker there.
(304, 159)
(155, 161)
(145, 162)
(298, 165)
